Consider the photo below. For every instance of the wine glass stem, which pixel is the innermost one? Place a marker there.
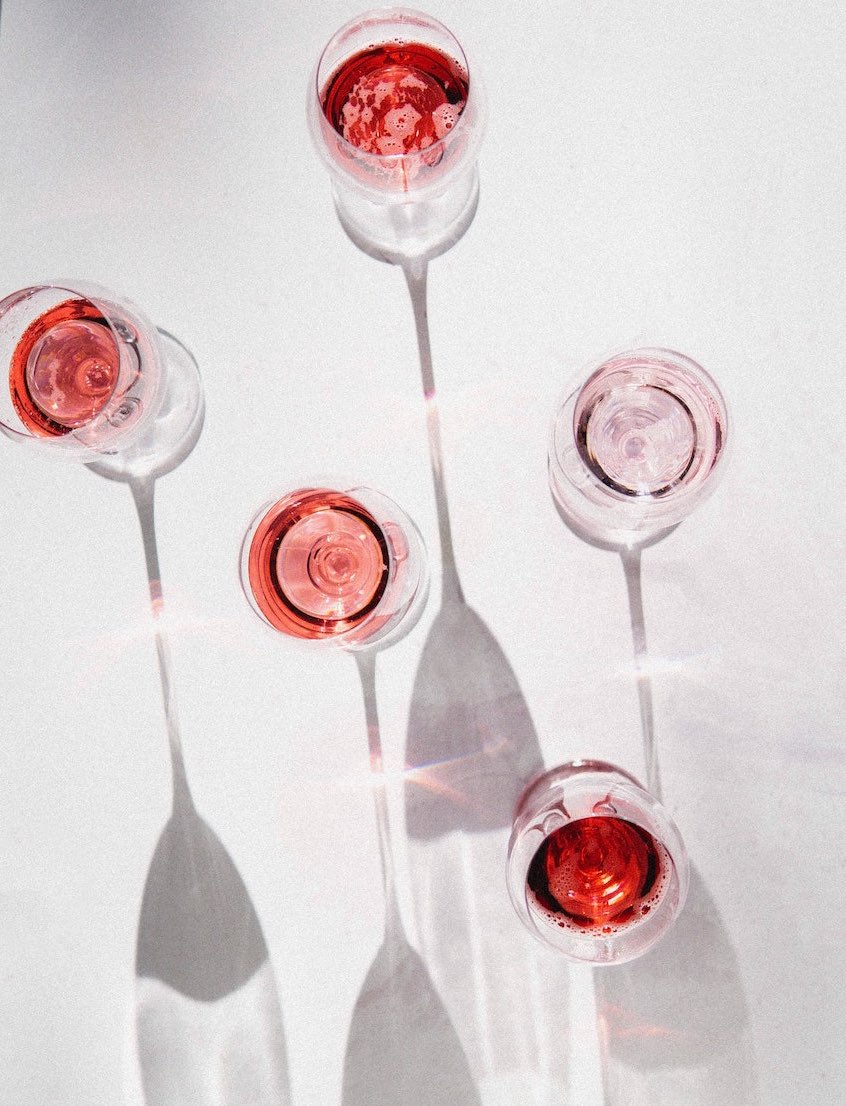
(632, 571)
(416, 276)
(366, 662)
(143, 494)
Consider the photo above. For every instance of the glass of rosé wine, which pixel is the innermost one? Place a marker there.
(335, 564)
(397, 120)
(636, 445)
(596, 868)
(91, 379)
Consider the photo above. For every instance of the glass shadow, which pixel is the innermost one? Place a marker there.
(673, 1024)
(402, 1048)
(208, 1019)
(471, 747)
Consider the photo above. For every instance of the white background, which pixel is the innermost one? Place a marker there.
(658, 174)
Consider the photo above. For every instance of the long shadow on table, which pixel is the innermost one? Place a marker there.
(674, 1025)
(471, 747)
(208, 1019)
(402, 1048)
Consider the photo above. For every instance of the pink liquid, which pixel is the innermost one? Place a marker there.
(600, 873)
(395, 98)
(648, 428)
(64, 369)
(317, 564)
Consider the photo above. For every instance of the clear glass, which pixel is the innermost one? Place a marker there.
(402, 152)
(335, 564)
(636, 446)
(596, 868)
(89, 378)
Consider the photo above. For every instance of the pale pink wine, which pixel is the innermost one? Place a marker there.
(644, 430)
(64, 369)
(318, 564)
(599, 874)
(395, 98)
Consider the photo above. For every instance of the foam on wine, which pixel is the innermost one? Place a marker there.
(598, 875)
(318, 564)
(64, 369)
(395, 98)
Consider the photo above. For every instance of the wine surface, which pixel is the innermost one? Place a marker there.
(395, 98)
(317, 564)
(598, 875)
(64, 369)
(644, 433)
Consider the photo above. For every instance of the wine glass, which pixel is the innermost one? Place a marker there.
(636, 446)
(91, 379)
(344, 566)
(327, 565)
(596, 868)
(397, 120)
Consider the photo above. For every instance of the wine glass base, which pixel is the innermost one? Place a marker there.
(174, 432)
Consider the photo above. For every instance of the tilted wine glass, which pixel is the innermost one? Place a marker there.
(596, 868)
(636, 445)
(91, 379)
(397, 119)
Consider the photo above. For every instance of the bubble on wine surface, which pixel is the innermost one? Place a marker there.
(598, 876)
(396, 98)
(394, 111)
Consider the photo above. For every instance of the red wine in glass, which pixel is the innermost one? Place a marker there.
(598, 874)
(596, 867)
(89, 377)
(397, 120)
(318, 564)
(395, 98)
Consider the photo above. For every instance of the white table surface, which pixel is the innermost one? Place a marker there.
(658, 174)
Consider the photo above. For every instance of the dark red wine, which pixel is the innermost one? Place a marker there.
(395, 98)
(64, 369)
(599, 873)
(317, 564)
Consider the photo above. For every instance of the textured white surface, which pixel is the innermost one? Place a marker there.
(652, 174)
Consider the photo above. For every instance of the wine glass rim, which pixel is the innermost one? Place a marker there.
(390, 161)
